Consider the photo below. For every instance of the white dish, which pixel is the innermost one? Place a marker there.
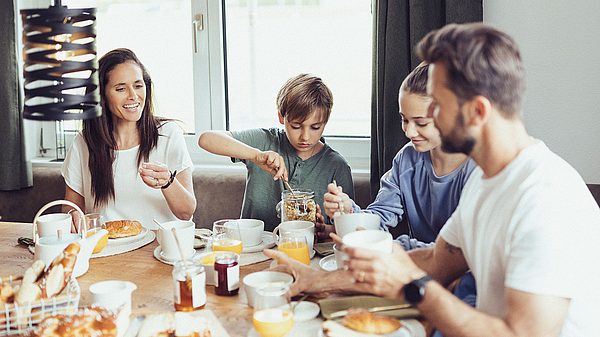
(410, 328)
(128, 239)
(158, 255)
(328, 263)
(305, 311)
(126, 247)
(267, 242)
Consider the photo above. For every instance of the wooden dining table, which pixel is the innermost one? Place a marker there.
(153, 279)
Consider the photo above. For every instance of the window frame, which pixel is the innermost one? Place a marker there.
(210, 100)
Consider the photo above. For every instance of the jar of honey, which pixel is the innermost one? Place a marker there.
(189, 281)
(227, 273)
(298, 205)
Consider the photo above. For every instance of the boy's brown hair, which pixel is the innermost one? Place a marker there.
(302, 95)
(480, 60)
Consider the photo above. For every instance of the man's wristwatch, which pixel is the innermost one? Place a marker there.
(415, 290)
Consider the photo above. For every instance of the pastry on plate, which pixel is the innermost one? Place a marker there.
(363, 321)
(122, 228)
(87, 322)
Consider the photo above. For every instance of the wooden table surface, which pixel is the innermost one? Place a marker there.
(153, 279)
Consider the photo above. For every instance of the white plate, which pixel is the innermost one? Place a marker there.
(128, 239)
(267, 242)
(410, 328)
(115, 249)
(158, 255)
(328, 263)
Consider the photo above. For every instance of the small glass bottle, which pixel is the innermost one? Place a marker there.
(189, 281)
(227, 271)
(299, 205)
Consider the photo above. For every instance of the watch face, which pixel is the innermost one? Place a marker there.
(412, 293)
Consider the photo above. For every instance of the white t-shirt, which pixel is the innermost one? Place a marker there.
(534, 227)
(134, 200)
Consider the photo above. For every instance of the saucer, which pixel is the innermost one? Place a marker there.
(267, 242)
(328, 263)
(305, 310)
(158, 255)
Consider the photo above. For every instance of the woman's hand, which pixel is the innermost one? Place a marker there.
(273, 163)
(155, 175)
(335, 200)
(303, 274)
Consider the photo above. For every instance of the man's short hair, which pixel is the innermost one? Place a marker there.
(480, 60)
(302, 95)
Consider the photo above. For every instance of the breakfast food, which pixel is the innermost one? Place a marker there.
(299, 208)
(363, 321)
(122, 228)
(88, 323)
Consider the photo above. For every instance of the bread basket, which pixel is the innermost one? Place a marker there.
(17, 320)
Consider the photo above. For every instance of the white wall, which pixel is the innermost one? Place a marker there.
(560, 47)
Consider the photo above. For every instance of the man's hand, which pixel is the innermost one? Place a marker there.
(303, 275)
(322, 229)
(380, 273)
(335, 200)
(273, 163)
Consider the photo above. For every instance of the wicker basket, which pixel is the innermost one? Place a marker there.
(17, 319)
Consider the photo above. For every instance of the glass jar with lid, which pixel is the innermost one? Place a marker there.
(189, 281)
(299, 205)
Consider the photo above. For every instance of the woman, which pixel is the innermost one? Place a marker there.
(129, 164)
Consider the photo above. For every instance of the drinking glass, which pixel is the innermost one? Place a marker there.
(93, 222)
(273, 315)
(226, 236)
(293, 243)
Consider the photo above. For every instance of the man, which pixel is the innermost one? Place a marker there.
(522, 216)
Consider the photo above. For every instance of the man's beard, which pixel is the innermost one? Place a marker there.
(458, 141)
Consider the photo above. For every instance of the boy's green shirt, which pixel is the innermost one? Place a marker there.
(263, 193)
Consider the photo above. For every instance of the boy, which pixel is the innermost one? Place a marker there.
(297, 153)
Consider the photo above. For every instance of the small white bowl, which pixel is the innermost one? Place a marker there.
(253, 282)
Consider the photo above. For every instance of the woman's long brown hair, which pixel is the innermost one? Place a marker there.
(98, 132)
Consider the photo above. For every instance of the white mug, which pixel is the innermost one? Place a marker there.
(298, 225)
(351, 222)
(48, 224)
(114, 295)
(185, 235)
(370, 239)
(250, 230)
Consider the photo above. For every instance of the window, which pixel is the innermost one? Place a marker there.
(219, 64)
(270, 41)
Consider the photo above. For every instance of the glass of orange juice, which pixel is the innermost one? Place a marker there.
(273, 315)
(93, 222)
(226, 236)
(293, 244)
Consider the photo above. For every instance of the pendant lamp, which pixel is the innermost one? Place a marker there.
(60, 64)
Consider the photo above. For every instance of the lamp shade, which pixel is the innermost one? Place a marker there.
(60, 64)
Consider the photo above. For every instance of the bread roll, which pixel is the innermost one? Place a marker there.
(122, 228)
(33, 273)
(363, 321)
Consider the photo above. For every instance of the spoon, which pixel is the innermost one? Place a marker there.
(188, 277)
(287, 185)
(158, 224)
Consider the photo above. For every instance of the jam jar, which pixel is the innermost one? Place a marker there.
(227, 273)
(189, 281)
(299, 205)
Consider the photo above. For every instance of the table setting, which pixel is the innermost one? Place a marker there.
(228, 305)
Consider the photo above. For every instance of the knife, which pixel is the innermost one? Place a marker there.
(343, 313)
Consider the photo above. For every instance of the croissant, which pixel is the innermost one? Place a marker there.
(363, 321)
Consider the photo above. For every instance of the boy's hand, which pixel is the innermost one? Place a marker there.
(335, 200)
(273, 163)
(322, 229)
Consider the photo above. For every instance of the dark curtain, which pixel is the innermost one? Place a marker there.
(398, 26)
(15, 172)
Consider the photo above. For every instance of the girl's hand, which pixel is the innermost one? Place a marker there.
(155, 175)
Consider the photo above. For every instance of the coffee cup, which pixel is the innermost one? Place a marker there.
(250, 231)
(115, 296)
(340, 257)
(307, 227)
(48, 224)
(351, 222)
(376, 240)
(185, 235)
